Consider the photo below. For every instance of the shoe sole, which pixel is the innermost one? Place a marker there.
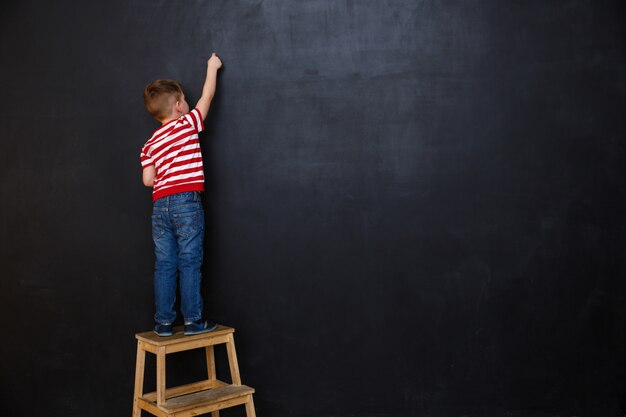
(163, 334)
(186, 333)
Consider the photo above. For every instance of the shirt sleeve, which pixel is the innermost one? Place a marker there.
(146, 159)
(195, 118)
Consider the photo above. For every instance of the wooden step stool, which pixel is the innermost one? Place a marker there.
(207, 396)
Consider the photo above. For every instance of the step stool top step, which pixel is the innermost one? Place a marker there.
(178, 337)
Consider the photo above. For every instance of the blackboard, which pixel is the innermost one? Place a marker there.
(413, 208)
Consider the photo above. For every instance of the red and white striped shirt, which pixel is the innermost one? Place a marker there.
(174, 150)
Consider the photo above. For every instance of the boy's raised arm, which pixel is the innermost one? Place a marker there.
(208, 91)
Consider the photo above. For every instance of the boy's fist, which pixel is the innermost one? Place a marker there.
(214, 62)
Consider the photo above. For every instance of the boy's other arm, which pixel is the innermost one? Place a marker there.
(208, 91)
(148, 175)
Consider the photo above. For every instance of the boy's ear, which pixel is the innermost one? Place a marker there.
(178, 106)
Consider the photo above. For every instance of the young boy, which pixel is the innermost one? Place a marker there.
(172, 166)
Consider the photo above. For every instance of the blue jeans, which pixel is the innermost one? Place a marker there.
(178, 234)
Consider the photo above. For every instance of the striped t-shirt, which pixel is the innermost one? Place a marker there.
(174, 150)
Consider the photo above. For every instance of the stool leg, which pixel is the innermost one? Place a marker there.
(250, 407)
(210, 363)
(160, 375)
(139, 372)
(211, 372)
(232, 360)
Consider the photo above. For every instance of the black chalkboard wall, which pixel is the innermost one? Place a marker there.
(414, 208)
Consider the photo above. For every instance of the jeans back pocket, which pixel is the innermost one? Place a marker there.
(157, 226)
(189, 224)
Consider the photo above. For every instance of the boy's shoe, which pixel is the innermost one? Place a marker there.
(163, 329)
(197, 327)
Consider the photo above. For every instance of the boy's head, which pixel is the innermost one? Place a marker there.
(164, 97)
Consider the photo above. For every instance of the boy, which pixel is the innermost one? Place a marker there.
(172, 166)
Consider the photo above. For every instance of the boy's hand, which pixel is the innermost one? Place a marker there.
(214, 62)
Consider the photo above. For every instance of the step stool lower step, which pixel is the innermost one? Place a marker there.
(200, 402)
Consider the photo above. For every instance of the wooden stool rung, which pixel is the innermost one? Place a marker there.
(186, 389)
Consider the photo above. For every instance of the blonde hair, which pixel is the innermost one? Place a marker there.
(159, 95)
